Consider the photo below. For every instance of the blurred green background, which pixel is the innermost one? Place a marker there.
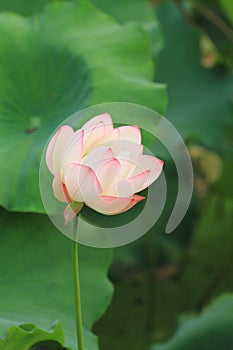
(162, 292)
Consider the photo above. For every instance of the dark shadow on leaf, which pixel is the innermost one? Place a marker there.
(47, 345)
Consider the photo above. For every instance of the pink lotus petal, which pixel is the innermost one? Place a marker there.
(107, 139)
(73, 150)
(127, 152)
(125, 148)
(127, 168)
(104, 118)
(99, 153)
(130, 133)
(55, 150)
(109, 205)
(128, 164)
(128, 159)
(134, 200)
(71, 211)
(107, 172)
(92, 136)
(134, 184)
(146, 162)
(59, 189)
(81, 182)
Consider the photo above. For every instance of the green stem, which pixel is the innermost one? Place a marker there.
(77, 296)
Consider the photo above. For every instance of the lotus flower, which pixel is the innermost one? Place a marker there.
(100, 166)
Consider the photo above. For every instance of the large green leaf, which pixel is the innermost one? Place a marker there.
(140, 11)
(123, 11)
(69, 57)
(199, 99)
(36, 277)
(211, 330)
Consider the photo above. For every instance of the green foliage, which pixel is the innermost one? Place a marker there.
(23, 7)
(140, 11)
(199, 99)
(228, 8)
(123, 11)
(208, 269)
(36, 278)
(211, 330)
(67, 55)
(23, 337)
